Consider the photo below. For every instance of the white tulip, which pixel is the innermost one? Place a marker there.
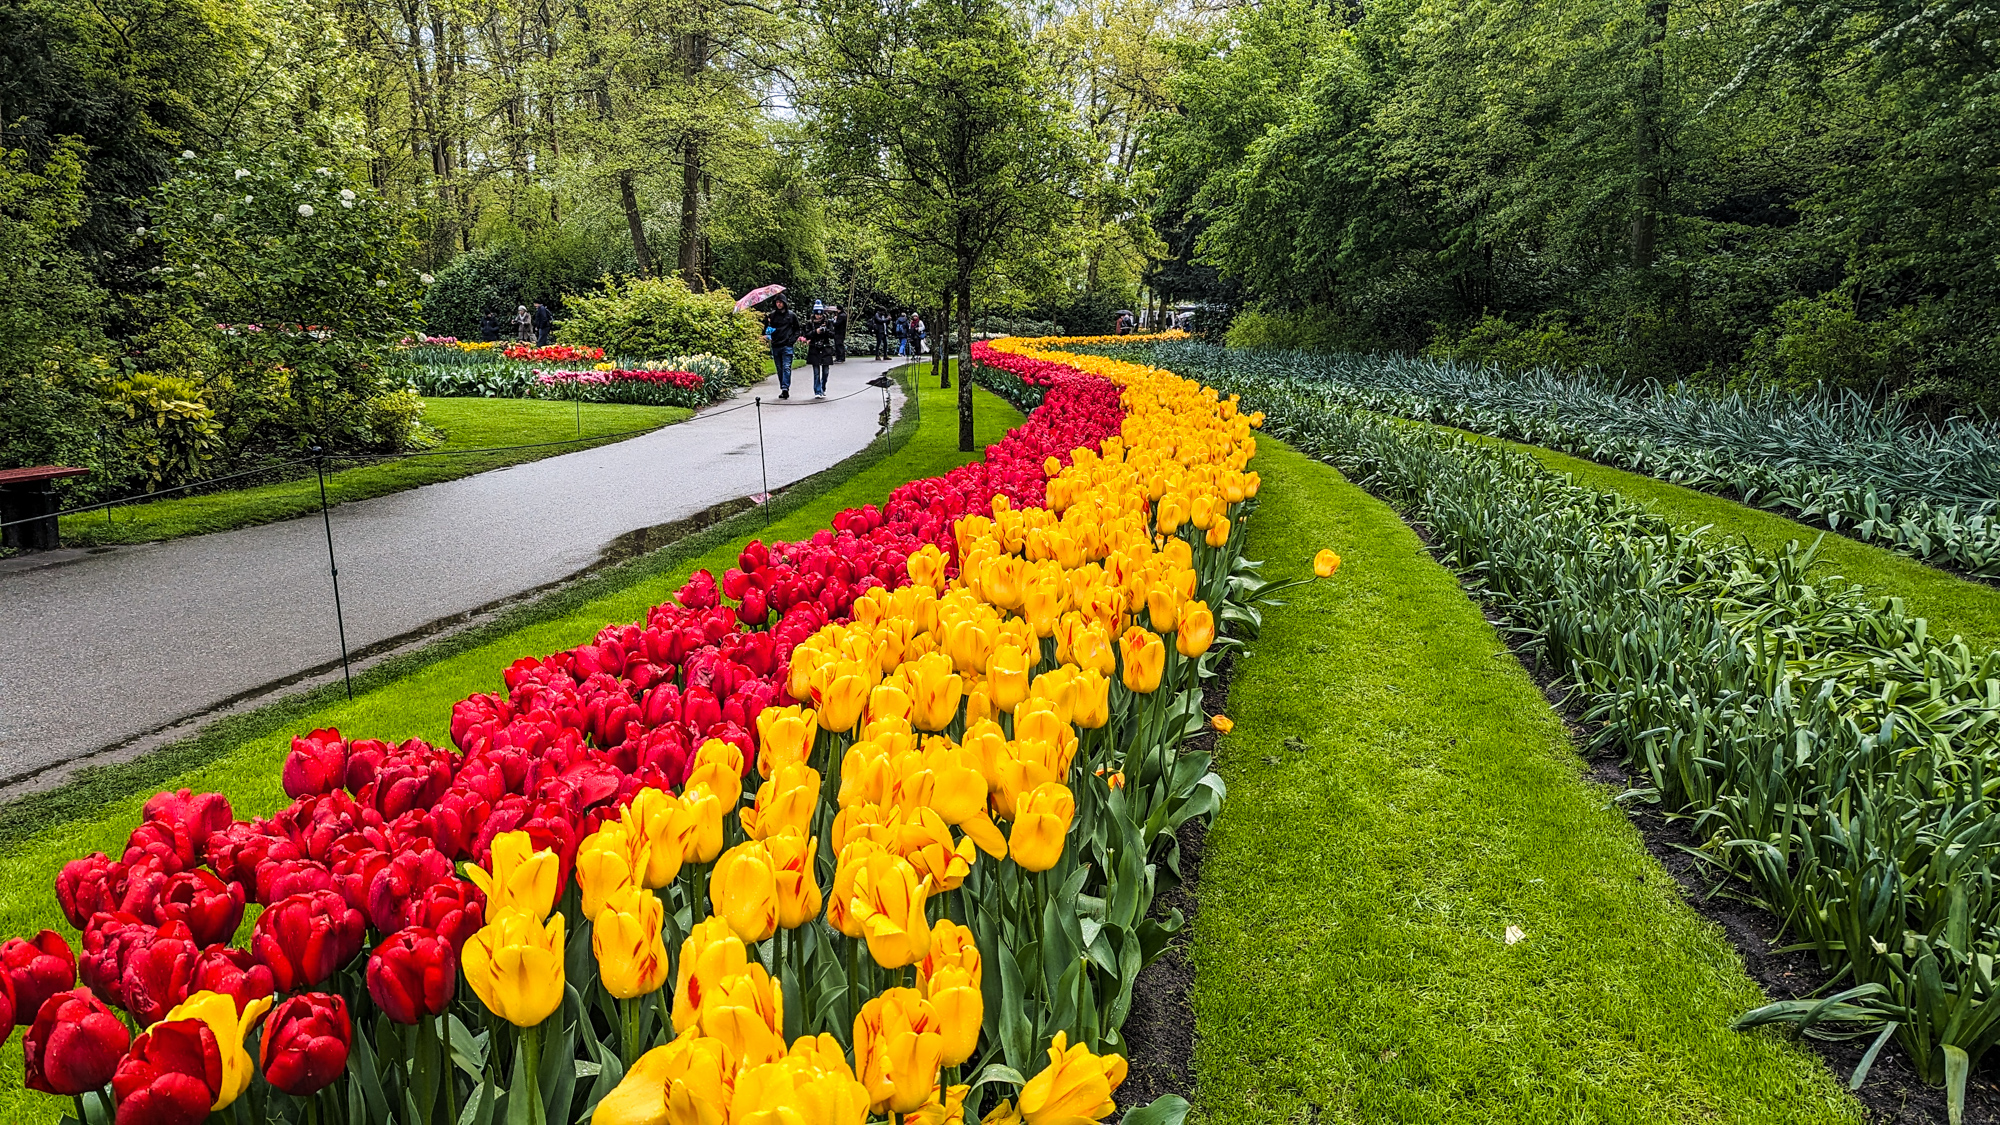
(347, 203)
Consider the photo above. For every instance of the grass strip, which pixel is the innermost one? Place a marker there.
(411, 696)
(467, 423)
(1952, 604)
(1400, 795)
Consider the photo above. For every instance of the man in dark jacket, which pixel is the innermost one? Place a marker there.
(489, 327)
(879, 321)
(783, 326)
(839, 318)
(544, 320)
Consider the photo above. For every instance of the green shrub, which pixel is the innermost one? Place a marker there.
(168, 429)
(662, 318)
(1306, 331)
(1549, 342)
(1820, 342)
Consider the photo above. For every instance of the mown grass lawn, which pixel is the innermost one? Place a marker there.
(1952, 604)
(466, 423)
(413, 697)
(1400, 794)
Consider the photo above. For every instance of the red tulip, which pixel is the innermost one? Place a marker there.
(317, 764)
(211, 908)
(699, 593)
(74, 1045)
(37, 969)
(354, 875)
(451, 908)
(158, 974)
(171, 1077)
(108, 940)
(412, 777)
(405, 877)
(235, 973)
(284, 878)
(364, 757)
(307, 937)
(85, 887)
(305, 1043)
(413, 973)
(198, 815)
(239, 850)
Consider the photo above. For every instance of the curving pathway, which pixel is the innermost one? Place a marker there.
(107, 647)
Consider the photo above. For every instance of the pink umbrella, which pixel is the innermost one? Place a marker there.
(758, 294)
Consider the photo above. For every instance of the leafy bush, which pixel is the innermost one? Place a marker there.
(468, 287)
(1549, 342)
(1819, 342)
(1299, 331)
(661, 318)
(169, 430)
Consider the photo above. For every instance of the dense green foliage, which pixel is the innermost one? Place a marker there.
(1879, 476)
(663, 318)
(1795, 192)
(1829, 750)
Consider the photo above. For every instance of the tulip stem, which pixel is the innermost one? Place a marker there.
(81, 1119)
(630, 1047)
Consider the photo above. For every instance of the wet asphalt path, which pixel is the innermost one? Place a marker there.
(114, 645)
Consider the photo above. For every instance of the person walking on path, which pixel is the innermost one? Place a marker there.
(543, 320)
(839, 334)
(524, 325)
(783, 327)
(916, 333)
(819, 351)
(879, 321)
(902, 334)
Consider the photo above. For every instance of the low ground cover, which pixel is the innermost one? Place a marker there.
(466, 423)
(1400, 795)
(1829, 750)
(1874, 474)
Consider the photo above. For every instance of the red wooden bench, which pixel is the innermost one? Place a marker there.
(29, 495)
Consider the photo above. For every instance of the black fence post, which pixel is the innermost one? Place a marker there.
(763, 467)
(340, 619)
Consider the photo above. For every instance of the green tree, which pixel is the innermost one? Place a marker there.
(935, 118)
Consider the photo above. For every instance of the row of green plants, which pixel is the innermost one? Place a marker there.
(465, 375)
(1869, 471)
(1827, 752)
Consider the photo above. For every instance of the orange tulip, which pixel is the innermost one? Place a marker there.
(1041, 825)
(1145, 658)
(1197, 630)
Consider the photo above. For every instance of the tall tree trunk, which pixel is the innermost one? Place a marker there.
(690, 243)
(965, 365)
(1649, 195)
(939, 366)
(634, 223)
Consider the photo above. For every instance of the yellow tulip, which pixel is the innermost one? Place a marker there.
(718, 767)
(625, 936)
(1223, 724)
(1145, 659)
(927, 566)
(1218, 532)
(686, 1082)
(520, 879)
(653, 818)
(746, 1011)
(898, 1050)
(846, 693)
(950, 978)
(700, 827)
(1172, 513)
(515, 966)
(1036, 720)
(889, 700)
(1000, 580)
(1041, 825)
(1093, 700)
(743, 891)
(605, 865)
(785, 737)
(840, 912)
(787, 801)
(1163, 608)
(888, 905)
(936, 690)
(945, 1107)
(1075, 1087)
(1007, 676)
(970, 643)
(924, 840)
(1003, 1114)
(711, 953)
(978, 703)
(865, 778)
(792, 858)
(803, 1088)
(1197, 630)
(218, 1011)
(1091, 647)
(1325, 563)
(1057, 688)
(1042, 605)
(957, 790)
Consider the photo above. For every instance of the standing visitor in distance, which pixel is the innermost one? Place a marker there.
(489, 327)
(916, 333)
(879, 321)
(543, 321)
(524, 325)
(839, 334)
(819, 350)
(902, 334)
(782, 325)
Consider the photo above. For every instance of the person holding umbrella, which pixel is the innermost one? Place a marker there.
(782, 325)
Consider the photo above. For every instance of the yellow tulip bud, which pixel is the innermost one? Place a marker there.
(700, 828)
(787, 801)
(743, 891)
(1325, 563)
(888, 904)
(1076, 1086)
(515, 966)
(1145, 657)
(625, 936)
(218, 1011)
(1007, 676)
(936, 692)
(1041, 825)
(846, 693)
(1091, 646)
(1218, 532)
(1000, 580)
(604, 865)
(950, 978)
(1093, 700)
(978, 703)
(792, 858)
(927, 566)
(1197, 630)
(711, 953)
(898, 1050)
(652, 819)
(785, 737)
(890, 700)
(1163, 607)
(686, 1082)
(718, 766)
(519, 878)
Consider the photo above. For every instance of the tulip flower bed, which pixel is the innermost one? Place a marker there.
(552, 353)
(588, 906)
(641, 387)
(1829, 745)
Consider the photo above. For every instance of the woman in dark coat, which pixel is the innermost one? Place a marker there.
(819, 351)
